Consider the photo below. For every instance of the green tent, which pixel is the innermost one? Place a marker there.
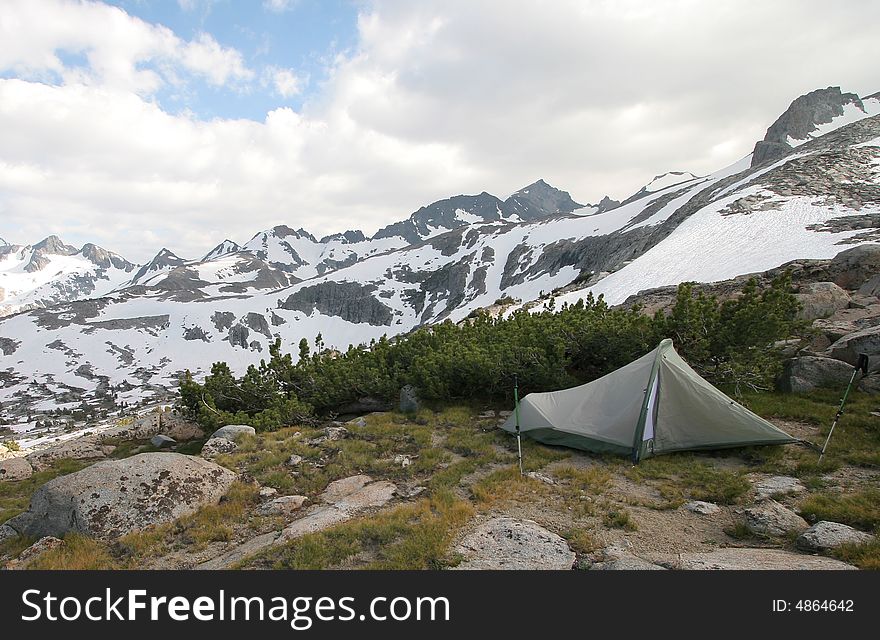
(654, 405)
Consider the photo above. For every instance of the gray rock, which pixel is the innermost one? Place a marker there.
(776, 485)
(808, 373)
(234, 431)
(871, 287)
(702, 508)
(37, 549)
(294, 460)
(769, 518)
(15, 469)
(403, 460)
(358, 422)
(320, 517)
(162, 441)
(112, 498)
(821, 300)
(825, 535)
(7, 532)
(338, 489)
(540, 477)
(283, 506)
(508, 543)
(758, 559)
(409, 400)
(179, 428)
(336, 433)
(268, 492)
(217, 446)
(627, 562)
(850, 346)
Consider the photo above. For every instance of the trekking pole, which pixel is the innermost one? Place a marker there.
(861, 366)
(516, 413)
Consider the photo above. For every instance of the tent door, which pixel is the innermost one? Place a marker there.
(651, 413)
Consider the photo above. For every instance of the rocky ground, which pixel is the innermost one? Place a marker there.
(440, 490)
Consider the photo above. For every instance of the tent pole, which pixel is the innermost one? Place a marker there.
(516, 413)
(861, 366)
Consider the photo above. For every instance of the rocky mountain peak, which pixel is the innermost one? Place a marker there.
(54, 245)
(105, 259)
(606, 204)
(348, 237)
(539, 200)
(804, 119)
(224, 248)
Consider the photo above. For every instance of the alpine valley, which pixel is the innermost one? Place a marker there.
(82, 324)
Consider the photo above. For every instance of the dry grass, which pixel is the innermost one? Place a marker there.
(77, 553)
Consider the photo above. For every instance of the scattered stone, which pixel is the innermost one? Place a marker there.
(702, 508)
(627, 562)
(294, 460)
(162, 442)
(15, 469)
(410, 492)
(778, 485)
(112, 498)
(268, 492)
(734, 559)
(358, 422)
(409, 400)
(617, 549)
(508, 543)
(769, 518)
(336, 433)
(505, 414)
(30, 554)
(820, 300)
(403, 460)
(233, 431)
(825, 535)
(217, 446)
(541, 477)
(283, 506)
(486, 415)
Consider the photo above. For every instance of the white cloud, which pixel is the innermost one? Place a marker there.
(279, 6)
(437, 98)
(118, 50)
(285, 82)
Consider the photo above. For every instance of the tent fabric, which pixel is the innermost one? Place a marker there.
(656, 404)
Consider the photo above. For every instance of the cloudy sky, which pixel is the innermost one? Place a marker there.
(146, 123)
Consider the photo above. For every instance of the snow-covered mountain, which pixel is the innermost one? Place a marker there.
(444, 261)
(50, 272)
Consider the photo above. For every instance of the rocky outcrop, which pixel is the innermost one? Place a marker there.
(509, 543)
(758, 560)
(234, 431)
(776, 486)
(820, 300)
(350, 301)
(409, 400)
(799, 121)
(15, 469)
(769, 518)
(850, 346)
(807, 373)
(826, 536)
(110, 499)
(217, 447)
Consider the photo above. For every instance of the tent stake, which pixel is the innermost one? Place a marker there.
(516, 412)
(861, 366)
